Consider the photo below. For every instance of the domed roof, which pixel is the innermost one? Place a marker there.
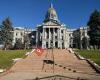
(51, 14)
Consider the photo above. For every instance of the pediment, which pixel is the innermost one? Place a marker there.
(51, 23)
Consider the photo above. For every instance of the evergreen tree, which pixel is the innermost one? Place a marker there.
(85, 43)
(94, 29)
(18, 44)
(6, 33)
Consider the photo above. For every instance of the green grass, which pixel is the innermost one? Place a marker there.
(7, 56)
(91, 54)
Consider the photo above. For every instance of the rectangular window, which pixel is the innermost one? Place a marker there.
(55, 30)
(55, 37)
(61, 31)
(21, 34)
(16, 34)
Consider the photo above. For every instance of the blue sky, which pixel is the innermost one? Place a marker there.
(29, 13)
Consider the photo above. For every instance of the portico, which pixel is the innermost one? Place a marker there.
(51, 35)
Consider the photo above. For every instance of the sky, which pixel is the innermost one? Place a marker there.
(30, 13)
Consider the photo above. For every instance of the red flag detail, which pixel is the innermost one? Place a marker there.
(39, 51)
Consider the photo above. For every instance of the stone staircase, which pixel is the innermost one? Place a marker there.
(64, 62)
(66, 67)
(55, 77)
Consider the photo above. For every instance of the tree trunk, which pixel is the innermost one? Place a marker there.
(5, 47)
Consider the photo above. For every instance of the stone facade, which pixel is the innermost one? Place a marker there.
(20, 33)
(81, 38)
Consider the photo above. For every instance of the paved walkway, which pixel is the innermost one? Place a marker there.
(66, 64)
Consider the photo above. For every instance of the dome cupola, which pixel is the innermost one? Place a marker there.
(51, 14)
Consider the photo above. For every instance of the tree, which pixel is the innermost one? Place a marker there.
(0, 34)
(94, 29)
(85, 43)
(32, 37)
(26, 38)
(18, 44)
(6, 33)
(26, 41)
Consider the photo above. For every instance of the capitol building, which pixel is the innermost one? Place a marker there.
(53, 33)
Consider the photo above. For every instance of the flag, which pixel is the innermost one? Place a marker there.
(39, 51)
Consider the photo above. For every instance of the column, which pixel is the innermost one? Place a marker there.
(44, 33)
(60, 41)
(43, 38)
(49, 39)
(58, 36)
(64, 38)
(54, 37)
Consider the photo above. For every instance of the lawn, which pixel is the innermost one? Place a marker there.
(7, 56)
(91, 54)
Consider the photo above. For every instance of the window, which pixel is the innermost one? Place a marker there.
(55, 37)
(16, 34)
(55, 30)
(61, 31)
(21, 34)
